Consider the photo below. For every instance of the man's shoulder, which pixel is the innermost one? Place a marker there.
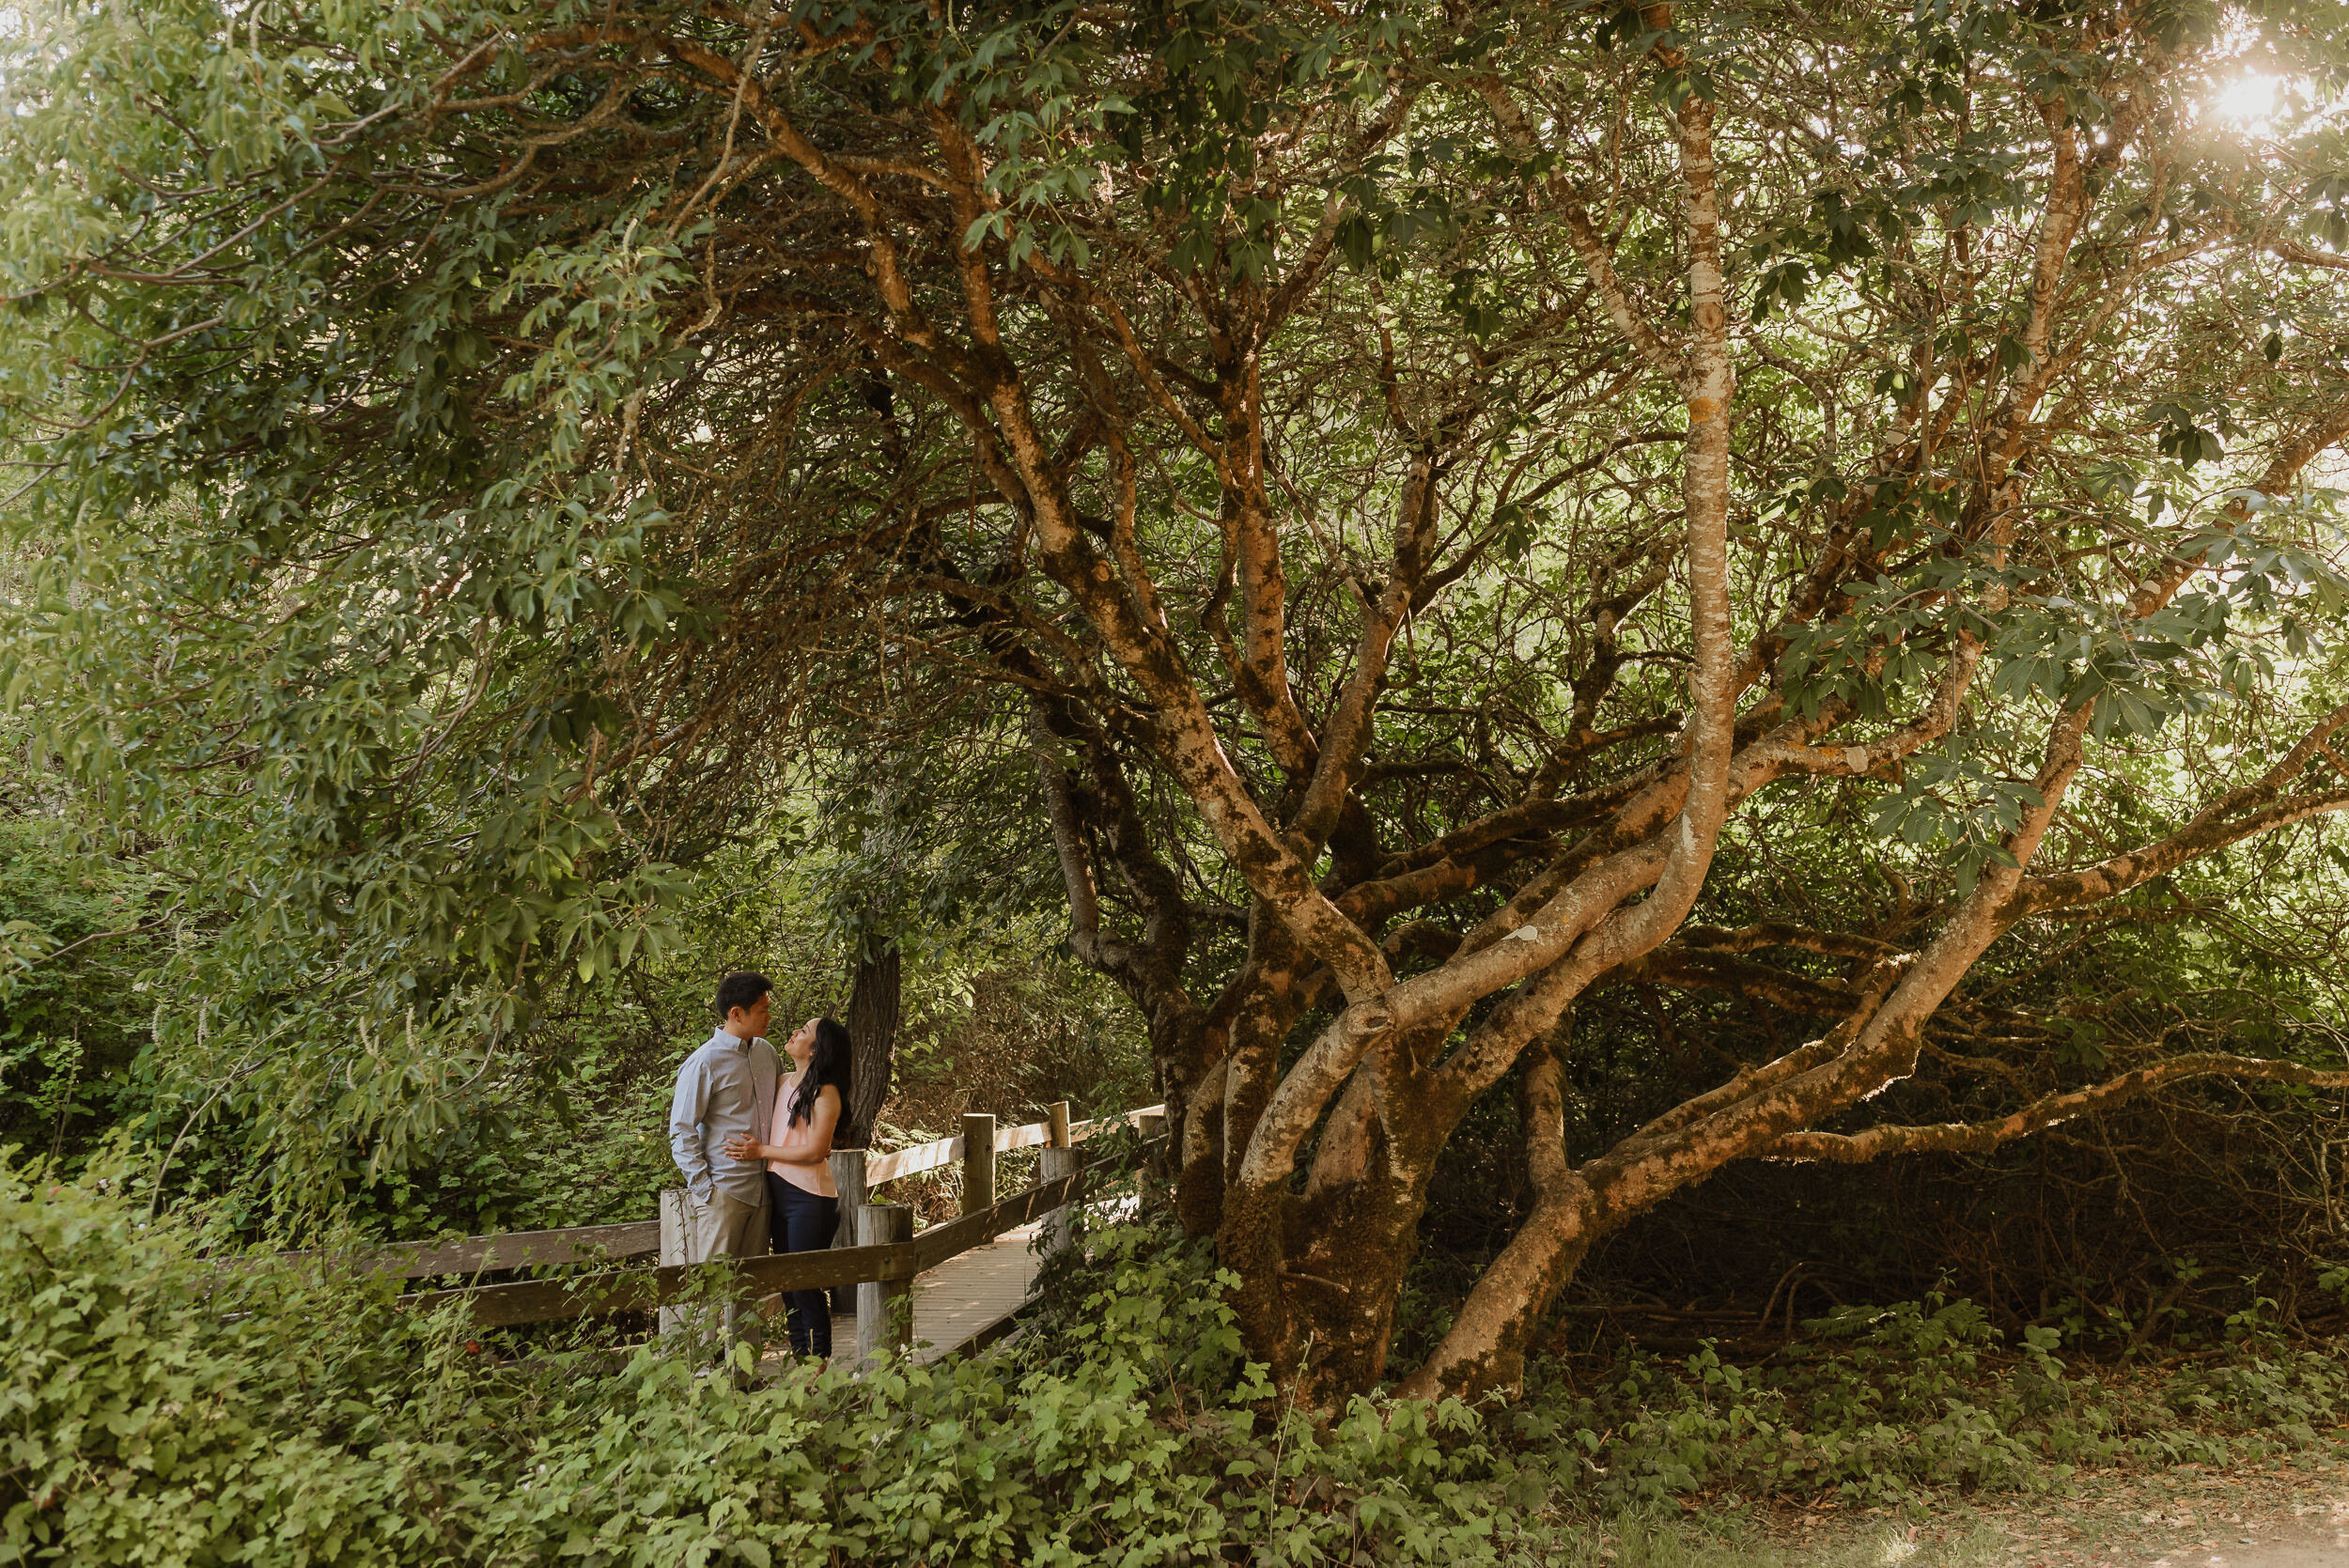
(699, 1053)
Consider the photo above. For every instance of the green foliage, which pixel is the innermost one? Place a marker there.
(360, 914)
(987, 1025)
(1882, 1404)
(79, 932)
(597, 1154)
(160, 1413)
(438, 498)
(573, 1132)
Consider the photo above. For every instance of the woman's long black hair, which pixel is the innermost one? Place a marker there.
(827, 1063)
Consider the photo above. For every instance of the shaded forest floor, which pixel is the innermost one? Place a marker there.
(2291, 1513)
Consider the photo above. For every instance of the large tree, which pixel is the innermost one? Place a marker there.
(1409, 483)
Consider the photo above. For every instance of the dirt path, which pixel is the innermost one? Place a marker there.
(2285, 1515)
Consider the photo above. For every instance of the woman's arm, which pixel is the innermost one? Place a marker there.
(808, 1142)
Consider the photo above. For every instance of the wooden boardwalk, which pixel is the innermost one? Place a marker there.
(963, 1277)
(966, 1293)
(971, 1292)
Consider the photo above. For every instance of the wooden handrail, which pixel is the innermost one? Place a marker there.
(637, 1238)
(638, 1290)
(947, 1151)
(518, 1249)
(474, 1254)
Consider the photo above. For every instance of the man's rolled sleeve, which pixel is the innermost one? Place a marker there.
(686, 1107)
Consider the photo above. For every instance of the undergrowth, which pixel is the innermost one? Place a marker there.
(160, 1411)
(1881, 1404)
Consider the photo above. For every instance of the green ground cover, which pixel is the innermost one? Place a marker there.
(160, 1411)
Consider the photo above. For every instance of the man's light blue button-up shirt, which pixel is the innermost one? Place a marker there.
(726, 1088)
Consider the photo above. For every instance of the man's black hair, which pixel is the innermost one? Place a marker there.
(741, 988)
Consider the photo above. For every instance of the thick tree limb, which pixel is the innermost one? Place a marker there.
(2214, 826)
(2047, 1111)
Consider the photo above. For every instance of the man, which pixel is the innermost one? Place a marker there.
(726, 1089)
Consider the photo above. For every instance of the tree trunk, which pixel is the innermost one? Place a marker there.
(1342, 1285)
(873, 998)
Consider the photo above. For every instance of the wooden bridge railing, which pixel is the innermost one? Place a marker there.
(636, 1238)
(882, 1323)
(882, 1258)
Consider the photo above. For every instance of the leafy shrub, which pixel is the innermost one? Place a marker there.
(1882, 1403)
(71, 948)
(160, 1411)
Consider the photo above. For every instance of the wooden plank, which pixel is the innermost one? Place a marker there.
(639, 1289)
(1059, 1226)
(1080, 1131)
(512, 1249)
(972, 1294)
(907, 1162)
(848, 1180)
(1039, 1201)
(884, 1312)
(978, 1162)
(676, 1224)
(947, 1151)
(939, 1242)
(997, 1329)
(579, 1244)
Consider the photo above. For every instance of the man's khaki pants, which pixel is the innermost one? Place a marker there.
(725, 1227)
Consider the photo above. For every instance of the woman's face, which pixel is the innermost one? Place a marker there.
(803, 1043)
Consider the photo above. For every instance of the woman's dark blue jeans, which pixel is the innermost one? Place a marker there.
(804, 1222)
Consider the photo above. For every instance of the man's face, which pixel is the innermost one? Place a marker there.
(749, 1023)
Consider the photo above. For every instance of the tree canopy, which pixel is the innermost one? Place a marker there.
(1412, 514)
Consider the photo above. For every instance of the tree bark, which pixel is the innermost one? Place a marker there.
(875, 997)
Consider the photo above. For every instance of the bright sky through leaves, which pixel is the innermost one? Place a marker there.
(2249, 101)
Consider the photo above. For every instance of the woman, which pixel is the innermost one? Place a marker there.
(803, 1205)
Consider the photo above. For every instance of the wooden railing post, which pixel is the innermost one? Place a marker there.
(1057, 1158)
(673, 1224)
(978, 1162)
(884, 1308)
(848, 1180)
(1152, 1125)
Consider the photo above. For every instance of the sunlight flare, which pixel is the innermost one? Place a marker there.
(2248, 101)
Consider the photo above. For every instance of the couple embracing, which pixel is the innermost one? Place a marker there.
(751, 1136)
